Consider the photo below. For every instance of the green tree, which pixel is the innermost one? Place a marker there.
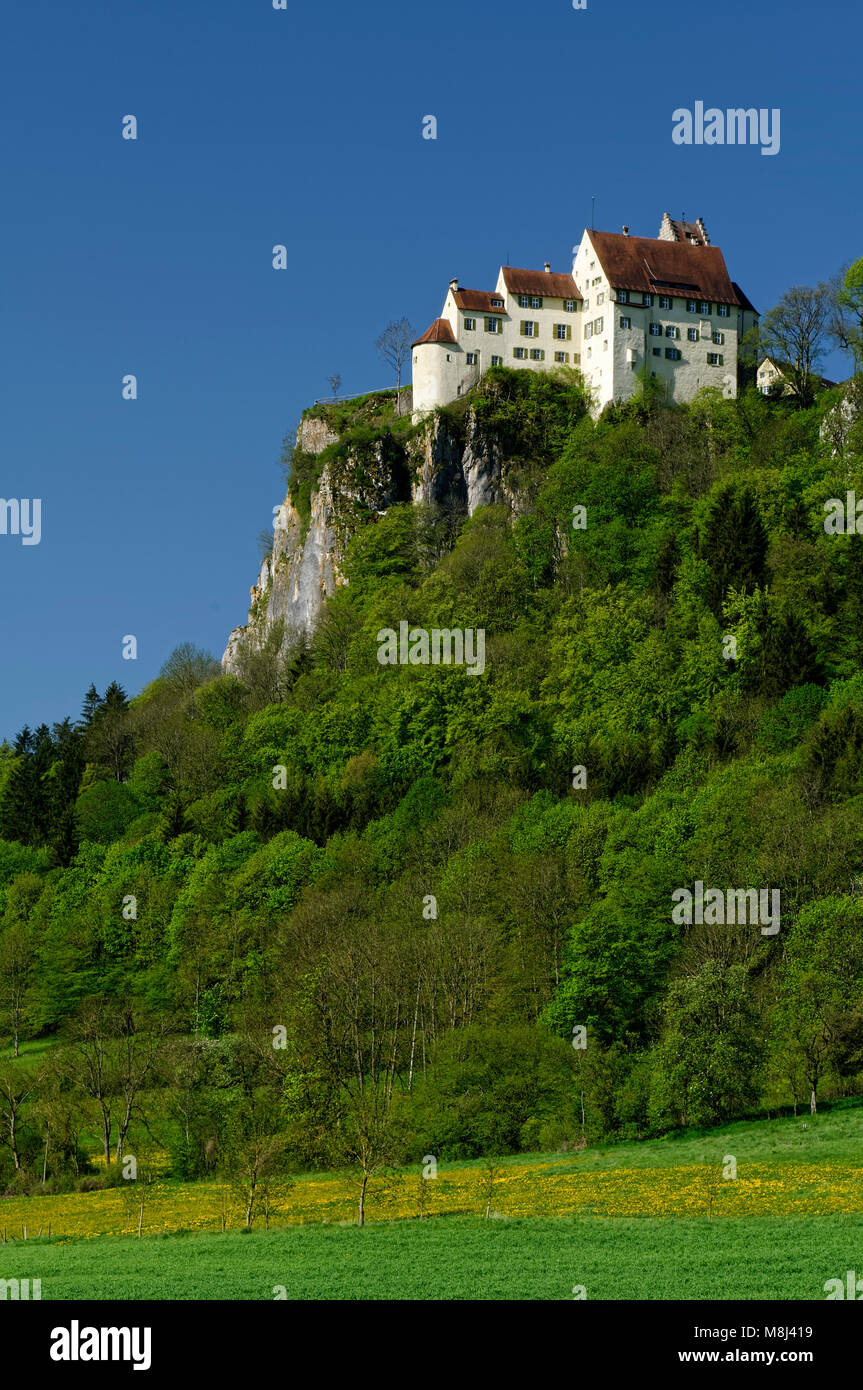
(817, 1025)
(707, 1060)
(733, 541)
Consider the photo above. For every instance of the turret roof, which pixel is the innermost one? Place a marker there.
(439, 332)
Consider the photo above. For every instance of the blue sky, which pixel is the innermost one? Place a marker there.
(303, 127)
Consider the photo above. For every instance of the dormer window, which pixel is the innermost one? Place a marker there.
(497, 303)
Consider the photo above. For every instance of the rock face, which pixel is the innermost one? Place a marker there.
(442, 464)
(451, 467)
(839, 423)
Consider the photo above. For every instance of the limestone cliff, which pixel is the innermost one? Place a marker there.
(445, 460)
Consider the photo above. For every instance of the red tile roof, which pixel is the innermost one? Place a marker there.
(545, 282)
(479, 300)
(670, 267)
(439, 332)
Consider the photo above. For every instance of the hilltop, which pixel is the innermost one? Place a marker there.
(323, 913)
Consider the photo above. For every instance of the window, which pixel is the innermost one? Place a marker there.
(625, 322)
(471, 359)
(470, 325)
(600, 298)
(673, 354)
(569, 306)
(598, 280)
(536, 301)
(657, 352)
(715, 359)
(576, 357)
(537, 354)
(665, 301)
(529, 329)
(692, 335)
(719, 338)
(520, 353)
(647, 300)
(722, 311)
(492, 325)
(704, 308)
(524, 301)
(588, 330)
(692, 306)
(656, 330)
(563, 331)
(623, 296)
(497, 303)
(586, 304)
(671, 331)
(496, 361)
(449, 357)
(597, 325)
(561, 357)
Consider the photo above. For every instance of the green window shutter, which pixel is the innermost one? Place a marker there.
(568, 332)
(523, 328)
(536, 330)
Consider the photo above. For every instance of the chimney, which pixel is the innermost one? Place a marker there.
(453, 284)
(547, 267)
(626, 231)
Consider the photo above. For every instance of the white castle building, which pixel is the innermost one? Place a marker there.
(666, 302)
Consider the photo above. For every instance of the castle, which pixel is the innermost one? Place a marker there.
(664, 302)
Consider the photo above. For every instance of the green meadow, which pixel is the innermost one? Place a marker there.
(459, 1258)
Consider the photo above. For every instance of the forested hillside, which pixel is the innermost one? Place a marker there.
(343, 914)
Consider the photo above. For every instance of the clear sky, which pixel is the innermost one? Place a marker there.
(303, 126)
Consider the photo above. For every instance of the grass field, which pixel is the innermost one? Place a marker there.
(655, 1220)
(459, 1258)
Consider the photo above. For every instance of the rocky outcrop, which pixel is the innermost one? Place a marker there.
(841, 421)
(447, 462)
